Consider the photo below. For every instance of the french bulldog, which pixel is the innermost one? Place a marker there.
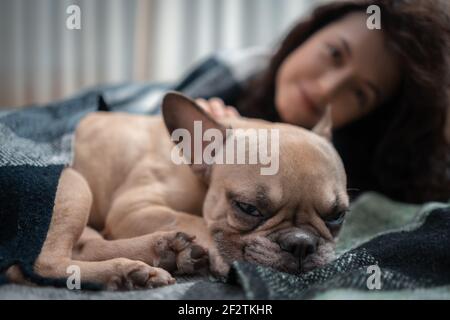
(129, 217)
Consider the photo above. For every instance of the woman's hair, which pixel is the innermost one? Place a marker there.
(401, 146)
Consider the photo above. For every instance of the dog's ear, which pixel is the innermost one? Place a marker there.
(183, 114)
(324, 127)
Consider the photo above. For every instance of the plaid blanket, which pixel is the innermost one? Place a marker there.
(36, 144)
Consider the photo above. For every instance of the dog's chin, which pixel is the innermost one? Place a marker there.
(311, 262)
(318, 260)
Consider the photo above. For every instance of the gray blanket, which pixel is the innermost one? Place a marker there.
(372, 217)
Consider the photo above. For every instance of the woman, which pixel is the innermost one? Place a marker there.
(387, 89)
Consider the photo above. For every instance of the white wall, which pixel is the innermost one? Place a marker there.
(124, 40)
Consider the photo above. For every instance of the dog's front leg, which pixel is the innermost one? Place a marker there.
(157, 235)
(173, 251)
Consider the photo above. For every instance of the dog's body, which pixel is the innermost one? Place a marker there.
(142, 210)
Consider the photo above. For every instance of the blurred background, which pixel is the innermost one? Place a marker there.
(125, 40)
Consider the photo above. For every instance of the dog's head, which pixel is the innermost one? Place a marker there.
(284, 214)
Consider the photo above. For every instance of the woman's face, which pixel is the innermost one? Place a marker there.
(344, 65)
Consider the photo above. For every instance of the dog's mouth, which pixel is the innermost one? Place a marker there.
(325, 254)
(286, 262)
(310, 263)
(263, 251)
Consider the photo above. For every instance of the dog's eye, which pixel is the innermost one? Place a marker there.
(335, 219)
(247, 208)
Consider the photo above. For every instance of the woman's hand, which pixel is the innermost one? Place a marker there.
(217, 108)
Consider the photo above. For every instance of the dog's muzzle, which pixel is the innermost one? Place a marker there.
(299, 242)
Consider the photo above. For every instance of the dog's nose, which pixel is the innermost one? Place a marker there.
(299, 243)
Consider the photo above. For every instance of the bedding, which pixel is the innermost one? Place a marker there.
(408, 242)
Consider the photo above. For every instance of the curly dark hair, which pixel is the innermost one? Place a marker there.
(400, 149)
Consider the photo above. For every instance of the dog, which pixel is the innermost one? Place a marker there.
(129, 217)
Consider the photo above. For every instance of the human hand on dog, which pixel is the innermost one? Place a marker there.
(216, 108)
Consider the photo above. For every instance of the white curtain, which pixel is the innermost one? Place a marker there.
(124, 40)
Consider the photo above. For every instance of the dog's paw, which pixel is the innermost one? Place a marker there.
(176, 252)
(132, 275)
